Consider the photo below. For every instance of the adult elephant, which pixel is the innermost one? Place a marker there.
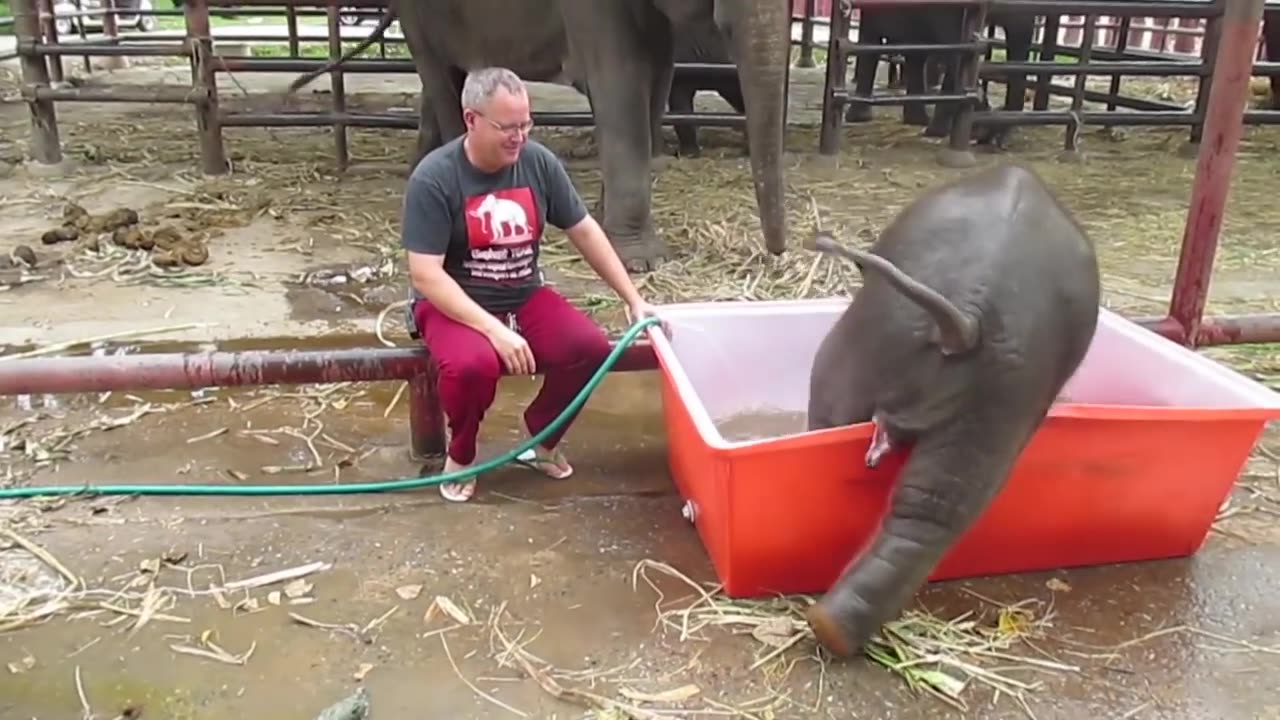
(699, 43)
(624, 49)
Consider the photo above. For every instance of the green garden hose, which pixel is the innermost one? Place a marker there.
(350, 489)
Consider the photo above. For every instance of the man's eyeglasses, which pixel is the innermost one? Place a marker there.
(510, 128)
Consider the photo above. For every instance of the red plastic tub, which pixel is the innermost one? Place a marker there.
(1133, 467)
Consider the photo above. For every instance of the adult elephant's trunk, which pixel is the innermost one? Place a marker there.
(759, 33)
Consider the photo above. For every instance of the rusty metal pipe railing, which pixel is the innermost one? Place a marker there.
(190, 371)
(1220, 329)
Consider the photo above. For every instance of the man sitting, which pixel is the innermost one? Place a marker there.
(474, 212)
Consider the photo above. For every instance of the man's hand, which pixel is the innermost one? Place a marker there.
(513, 349)
(640, 310)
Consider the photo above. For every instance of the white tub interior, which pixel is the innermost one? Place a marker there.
(735, 357)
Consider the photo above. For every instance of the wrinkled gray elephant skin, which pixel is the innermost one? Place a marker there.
(701, 42)
(624, 51)
(1271, 41)
(979, 302)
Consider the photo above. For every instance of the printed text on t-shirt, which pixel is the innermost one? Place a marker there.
(502, 227)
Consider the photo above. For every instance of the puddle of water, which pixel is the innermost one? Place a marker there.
(761, 424)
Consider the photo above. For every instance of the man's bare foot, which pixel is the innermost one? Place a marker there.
(458, 490)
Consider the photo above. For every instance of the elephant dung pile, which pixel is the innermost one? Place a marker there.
(123, 227)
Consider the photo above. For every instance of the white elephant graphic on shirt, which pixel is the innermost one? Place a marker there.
(506, 219)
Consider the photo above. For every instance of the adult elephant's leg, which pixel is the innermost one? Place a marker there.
(609, 40)
(438, 101)
(439, 107)
(1019, 33)
(1271, 40)
(944, 113)
(580, 84)
(913, 74)
(448, 103)
(428, 129)
(681, 102)
(731, 92)
(663, 75)
(870, 31)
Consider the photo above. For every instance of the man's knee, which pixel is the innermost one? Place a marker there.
(589, 345)
(471, 369)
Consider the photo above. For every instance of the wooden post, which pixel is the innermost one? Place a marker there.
(46, 146)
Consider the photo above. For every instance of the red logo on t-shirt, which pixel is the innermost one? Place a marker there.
(502, 217)
(501, 229)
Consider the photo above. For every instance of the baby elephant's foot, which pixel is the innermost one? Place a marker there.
(827, 630)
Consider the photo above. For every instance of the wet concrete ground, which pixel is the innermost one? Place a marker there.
(560, 557)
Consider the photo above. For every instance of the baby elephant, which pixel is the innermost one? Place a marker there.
(979, 302)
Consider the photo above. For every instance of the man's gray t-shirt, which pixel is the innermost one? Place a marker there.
(488, 225)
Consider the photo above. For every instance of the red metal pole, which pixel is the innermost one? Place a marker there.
(182, 371)
(426, 419)
(1220, 330)
(1223, 127)
(236, 369)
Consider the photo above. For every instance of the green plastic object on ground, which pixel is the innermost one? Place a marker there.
(623, 343)
(354, 707)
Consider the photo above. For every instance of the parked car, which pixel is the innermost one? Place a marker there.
(67, 23)
(352, 16)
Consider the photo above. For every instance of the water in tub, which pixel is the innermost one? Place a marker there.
(763, 423)
(760, 423)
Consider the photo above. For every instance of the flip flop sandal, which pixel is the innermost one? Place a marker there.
(461, 494)
(545, 465)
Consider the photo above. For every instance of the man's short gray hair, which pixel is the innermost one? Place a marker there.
(481, 85)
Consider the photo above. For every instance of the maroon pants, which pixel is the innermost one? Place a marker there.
(568, 348)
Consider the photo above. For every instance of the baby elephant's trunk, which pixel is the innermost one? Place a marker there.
(947, 482)
(957, 332)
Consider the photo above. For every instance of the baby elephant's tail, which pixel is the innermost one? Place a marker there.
(957, 332)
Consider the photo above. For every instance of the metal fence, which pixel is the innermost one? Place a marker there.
(1177, 21)
(1133, 38)
(42, 53)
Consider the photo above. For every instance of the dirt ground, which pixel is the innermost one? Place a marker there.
(299, 257)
